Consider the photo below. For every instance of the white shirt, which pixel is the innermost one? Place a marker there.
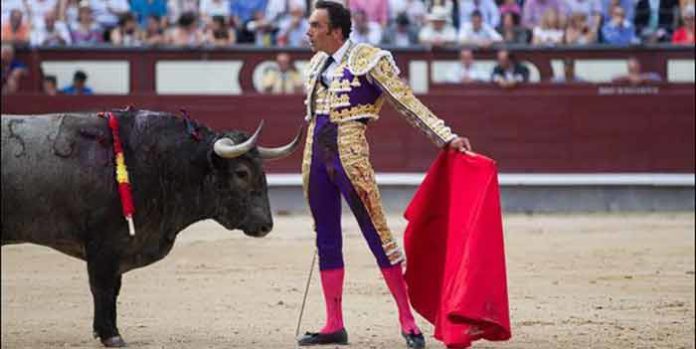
(489, 11)
(39, 8)
(337, 58)
(275, 9)
(396, 7)
(373, 35)
(101, 13)
(460, 72)
(39, 35)
(215, 8)
(447, 35)
(467, 34)
(548, 36)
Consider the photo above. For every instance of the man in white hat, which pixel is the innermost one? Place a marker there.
(439, 31)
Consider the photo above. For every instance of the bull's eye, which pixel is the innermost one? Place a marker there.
(242, 174)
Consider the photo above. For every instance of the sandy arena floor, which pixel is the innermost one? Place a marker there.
(575, 281)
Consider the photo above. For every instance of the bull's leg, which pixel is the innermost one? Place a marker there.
(105, 284)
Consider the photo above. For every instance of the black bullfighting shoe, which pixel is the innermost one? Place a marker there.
(339, 337)
(413, 340)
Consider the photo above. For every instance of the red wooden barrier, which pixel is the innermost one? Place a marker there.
(535, 128)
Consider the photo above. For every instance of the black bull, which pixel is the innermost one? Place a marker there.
(59, 190)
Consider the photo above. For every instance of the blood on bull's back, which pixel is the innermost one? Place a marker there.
(51, 176)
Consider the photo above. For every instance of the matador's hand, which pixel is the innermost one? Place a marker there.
(461, 143)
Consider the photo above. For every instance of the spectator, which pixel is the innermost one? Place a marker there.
(396, 8)
(127, 32)
(106, 13)
(478, 33)
(50, 85)
(466, 70)
(154, 33)
(592, 9)
(144, 9)
(487, 8)
(635, 75)
(439, 32)
(176, 8)
(246, 10)
(654, 19)
(186, 33)
(627, 5)
(510, 6)
(579, 31)
(277, 10)
(293, 28)
(51, 32)
(8, 6)
(375, 10)
(534, 10)
(364, 30)
(685, 33)
(210, 8)
(262, 29)
(85, 32)
(36, 10)
(68, 11)
(549, 32)
(618, 31)
(401, 33)
(508, 73)
(568, 73)
(416, 12)
(511, 31)
(16, 31)
(79, 86)
(282, 79)
(12, 70)
(219, 33)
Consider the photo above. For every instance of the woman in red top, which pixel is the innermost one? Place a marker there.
(685, 33)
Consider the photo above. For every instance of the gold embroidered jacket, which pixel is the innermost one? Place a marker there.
(357, 89)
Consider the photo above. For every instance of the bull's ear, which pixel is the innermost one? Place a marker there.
(214, 162)
(206, 160)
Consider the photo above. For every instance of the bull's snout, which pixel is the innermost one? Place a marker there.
(258, 230)
(258, 221)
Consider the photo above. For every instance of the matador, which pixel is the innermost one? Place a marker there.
(347, 83)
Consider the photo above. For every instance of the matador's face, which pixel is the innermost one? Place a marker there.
(320, 35)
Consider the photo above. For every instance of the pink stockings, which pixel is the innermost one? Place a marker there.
(332, 285)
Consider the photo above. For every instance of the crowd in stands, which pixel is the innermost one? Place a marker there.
(508, 72)
(398, 23)
(477, 23)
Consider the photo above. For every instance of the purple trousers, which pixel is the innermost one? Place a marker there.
(329, 178)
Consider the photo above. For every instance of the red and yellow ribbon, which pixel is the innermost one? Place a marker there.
(124, 186)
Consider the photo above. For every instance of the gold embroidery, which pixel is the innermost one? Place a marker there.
(355, 82)
(339, 85)
(354, 153)
(321, 100)
(312, 75)
(362, 110)
(342, 100)
(402, 98)
(361, 58)
(307, 158)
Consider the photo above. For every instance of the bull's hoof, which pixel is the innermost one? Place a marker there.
(114, 342)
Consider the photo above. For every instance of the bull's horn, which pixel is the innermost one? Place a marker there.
(283, 151)
(225, 147)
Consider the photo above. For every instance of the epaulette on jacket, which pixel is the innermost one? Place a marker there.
(364, 57)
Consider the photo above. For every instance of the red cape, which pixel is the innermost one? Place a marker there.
(454, 251)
